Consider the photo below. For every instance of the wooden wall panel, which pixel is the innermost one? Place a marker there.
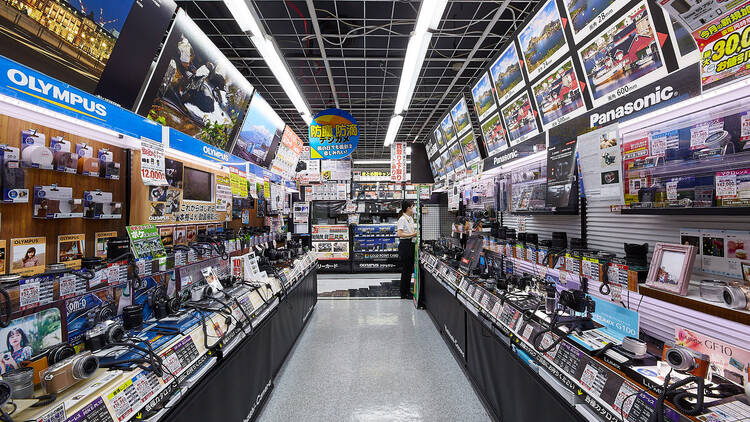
(17, 219)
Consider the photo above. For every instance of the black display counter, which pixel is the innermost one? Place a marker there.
(509, 388)
(237, 387)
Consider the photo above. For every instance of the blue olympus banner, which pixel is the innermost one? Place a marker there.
(28, 85)
(198, 148)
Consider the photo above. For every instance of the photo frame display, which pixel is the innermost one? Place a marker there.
(670, 268)
(542, 40)
(484, 103)
(520, 119)
(447, 129)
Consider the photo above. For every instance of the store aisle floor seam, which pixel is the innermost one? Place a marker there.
(371, 360)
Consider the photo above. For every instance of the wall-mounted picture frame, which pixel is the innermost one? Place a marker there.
(670, 267)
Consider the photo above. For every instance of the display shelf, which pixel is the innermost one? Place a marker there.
(696, 303)
(693, 167)
(688, 211)
(545, 212)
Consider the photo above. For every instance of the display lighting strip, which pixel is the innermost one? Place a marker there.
(267, 48)
(427, 20)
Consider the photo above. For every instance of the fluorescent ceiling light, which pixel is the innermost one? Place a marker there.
(415, 52)
(408, 150)
(244, 17)
(272, 56)
(393, 127)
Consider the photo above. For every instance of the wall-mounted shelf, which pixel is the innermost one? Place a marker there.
(698, 304)
(688, 211)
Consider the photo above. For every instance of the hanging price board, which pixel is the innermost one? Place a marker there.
(152, 163)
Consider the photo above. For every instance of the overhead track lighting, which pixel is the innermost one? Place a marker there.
(393, 127)
(427, 20)
(265, 45)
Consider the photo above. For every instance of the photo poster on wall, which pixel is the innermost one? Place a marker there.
(600, 159)
(447, 129)
(260, 135)
(542, 40)
(71, 249)
(465, 131)
(195, 89)
(28, 255)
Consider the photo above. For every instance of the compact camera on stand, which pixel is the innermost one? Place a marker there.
(686, 360)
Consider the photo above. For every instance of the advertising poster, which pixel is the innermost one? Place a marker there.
(333, 134)
(260, 134)
(179, 235)
(311, 173)
(28, 255)
(446, 162)
(695, 14)
(728, 360)
(460, 115)
(100, 240)
(223, 193)
(470, 149)
(483, 101)
(506, 74)
(287, 155)
(724, 45)
(542, 40)
(439, 139)
(558, 96)
(585, 17)
(624, 57)
(71, 249)
(447, 129)
(28, 335)
(195, 89)
(600, 158)
(398, 162)
(636, 149)
(520, 119)
(457, 157)
(561, 174)
(167, 236)
(145, 241)
(495, 138)
(153, 172)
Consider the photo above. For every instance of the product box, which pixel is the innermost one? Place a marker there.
(64, 159)
(99, 205)
(34, 152)
(11, 176)
(714, 251)
(88, 165)
(738, 247)
(693, 237)
(108, 169)
(56, 202)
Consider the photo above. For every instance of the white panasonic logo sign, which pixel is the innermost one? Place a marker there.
(648, 100)
(49, 89)
(505, 157)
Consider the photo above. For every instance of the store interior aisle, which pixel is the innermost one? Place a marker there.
(371, 360)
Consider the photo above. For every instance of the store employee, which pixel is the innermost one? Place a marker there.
(407, 231)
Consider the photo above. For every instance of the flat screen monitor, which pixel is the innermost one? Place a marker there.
(259, 137)
(197, 185)
(472, 252)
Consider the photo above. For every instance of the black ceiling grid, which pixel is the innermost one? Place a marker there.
(365, 44)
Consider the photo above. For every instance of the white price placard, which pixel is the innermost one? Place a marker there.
(152, 163)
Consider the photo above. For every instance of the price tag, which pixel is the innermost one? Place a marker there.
(67, 286)
(726, 184)
(28, 294)
(152, 163)
(672, 191)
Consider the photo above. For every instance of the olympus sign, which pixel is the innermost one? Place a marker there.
(51, 90)
(215, 153)
(660, 94)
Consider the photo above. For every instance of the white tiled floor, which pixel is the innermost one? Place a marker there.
(331, 282)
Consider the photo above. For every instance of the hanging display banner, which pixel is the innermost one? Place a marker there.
(600, 159)
(724, 44)
(152, 163)
(334, 134)
(198, 148)
(398, 162)
(23, 83)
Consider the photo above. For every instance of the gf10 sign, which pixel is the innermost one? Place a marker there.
(334, 134)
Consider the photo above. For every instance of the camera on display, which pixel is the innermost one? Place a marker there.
(686, 360)
(47, 357)
(577, 301)
(63, 375)
(104, 334)
(737, 296)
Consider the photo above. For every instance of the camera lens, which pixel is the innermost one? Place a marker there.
(60, 352)
(85, 367)
(115, 333)
(675, 358)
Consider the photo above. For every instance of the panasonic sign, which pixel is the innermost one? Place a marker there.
(54, 92)
(651, 99)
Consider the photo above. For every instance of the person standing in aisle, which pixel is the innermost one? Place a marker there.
(407, 231)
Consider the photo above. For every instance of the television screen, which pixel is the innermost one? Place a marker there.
(197, 185)
(260, 134)
(195, 89)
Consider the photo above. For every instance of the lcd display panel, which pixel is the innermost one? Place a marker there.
(197, 185)
(260, 134)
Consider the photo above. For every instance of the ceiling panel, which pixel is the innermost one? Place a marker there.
(365, 43)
